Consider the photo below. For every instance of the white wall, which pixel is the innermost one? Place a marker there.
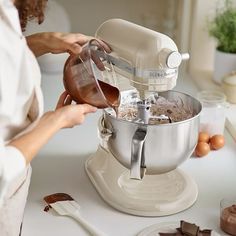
(87, 15)
(202, 45)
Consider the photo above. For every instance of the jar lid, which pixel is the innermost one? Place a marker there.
(230, 78)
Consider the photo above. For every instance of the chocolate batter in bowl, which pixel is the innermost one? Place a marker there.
(88, 77)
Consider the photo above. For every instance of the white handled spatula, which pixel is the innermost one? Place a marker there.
(65, 205)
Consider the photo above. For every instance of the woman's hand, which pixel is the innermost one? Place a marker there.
(64, 116)
(55, 42)
(71, 114)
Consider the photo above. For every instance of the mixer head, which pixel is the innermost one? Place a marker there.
(149, 59)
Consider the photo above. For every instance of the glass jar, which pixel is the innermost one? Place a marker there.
(212, 118)
(228, 215)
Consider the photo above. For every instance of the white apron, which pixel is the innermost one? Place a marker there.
(28, 91)
(13, 208)
(11, 213)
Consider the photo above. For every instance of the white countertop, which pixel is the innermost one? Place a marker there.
(59, 167)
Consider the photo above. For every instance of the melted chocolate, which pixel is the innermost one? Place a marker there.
(112, 95)
(47, 208)
(56, 197)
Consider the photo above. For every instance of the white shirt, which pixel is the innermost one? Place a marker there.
(20, 95)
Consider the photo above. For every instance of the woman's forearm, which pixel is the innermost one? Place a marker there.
(56, 42)
(37, 43)
(30, 143)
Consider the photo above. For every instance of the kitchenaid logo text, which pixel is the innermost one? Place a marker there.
(160, 73)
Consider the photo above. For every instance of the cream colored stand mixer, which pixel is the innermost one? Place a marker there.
(135, 166)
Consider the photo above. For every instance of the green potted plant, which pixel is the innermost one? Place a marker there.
(223, 28)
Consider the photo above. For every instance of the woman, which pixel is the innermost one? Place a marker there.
(23, 128)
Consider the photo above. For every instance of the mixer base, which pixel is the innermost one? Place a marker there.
(154, 195)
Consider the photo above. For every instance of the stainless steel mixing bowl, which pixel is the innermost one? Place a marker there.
(154, 149)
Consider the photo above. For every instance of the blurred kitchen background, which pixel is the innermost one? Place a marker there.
(183, 20)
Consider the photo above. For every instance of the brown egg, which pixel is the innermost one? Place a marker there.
(203, 137)
(217, 141)
(202, 149)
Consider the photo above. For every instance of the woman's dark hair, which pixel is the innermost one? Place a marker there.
(30, 9)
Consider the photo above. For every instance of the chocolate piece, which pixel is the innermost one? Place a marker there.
(205, 232)
(228, 220)
(188, 229)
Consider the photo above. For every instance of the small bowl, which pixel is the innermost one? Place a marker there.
(229, 87)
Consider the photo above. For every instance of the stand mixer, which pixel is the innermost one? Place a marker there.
(135, 166)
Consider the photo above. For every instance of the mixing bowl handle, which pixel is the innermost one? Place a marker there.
(137, 169)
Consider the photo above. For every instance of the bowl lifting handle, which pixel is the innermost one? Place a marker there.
(103, 133)
(137, 169)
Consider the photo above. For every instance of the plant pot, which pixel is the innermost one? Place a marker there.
(224, 64)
